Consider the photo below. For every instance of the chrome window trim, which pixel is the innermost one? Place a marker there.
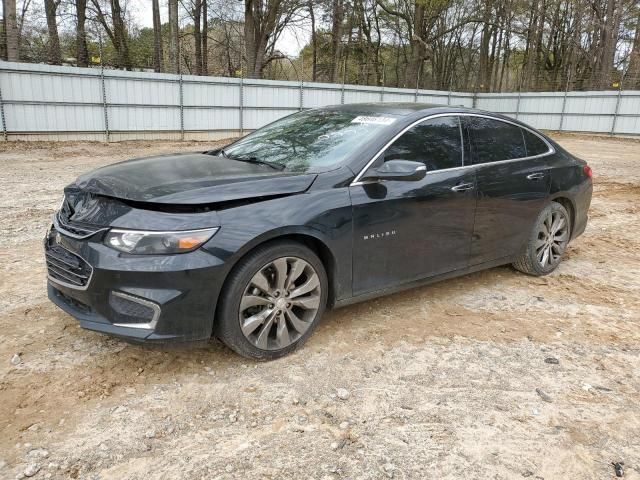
(356, 181)
(70, 285)
(147, 303)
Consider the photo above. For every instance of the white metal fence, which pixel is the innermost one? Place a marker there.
(47, 102)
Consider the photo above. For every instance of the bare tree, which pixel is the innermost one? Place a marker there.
(196, 14)
(10, 30)
(157, 37)
(174, 59)
(314, 42)
(205, 39)
(116, 31)
(82, 52)
(633, 74)
(337, 19)
(264, 21)
(53, 42)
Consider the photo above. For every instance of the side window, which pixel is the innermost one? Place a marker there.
(436, 142)
(535, 145)
(494, 140)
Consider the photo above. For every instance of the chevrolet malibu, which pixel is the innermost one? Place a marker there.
(252, 242)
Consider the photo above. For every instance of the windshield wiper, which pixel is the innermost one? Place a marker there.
(274, 165)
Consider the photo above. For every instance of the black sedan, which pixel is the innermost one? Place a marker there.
(251, 243)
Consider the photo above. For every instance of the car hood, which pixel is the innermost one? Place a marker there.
(190, 179)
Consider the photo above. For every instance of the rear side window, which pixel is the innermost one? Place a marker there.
(436, 142)
(535, 145)
(494, 140)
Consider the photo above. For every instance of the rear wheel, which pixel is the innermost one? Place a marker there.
(547, 242)
(272, 300)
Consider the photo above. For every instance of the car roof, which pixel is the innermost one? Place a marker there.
(391, 108)
(417, 110)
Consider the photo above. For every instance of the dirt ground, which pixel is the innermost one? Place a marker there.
(493, 375)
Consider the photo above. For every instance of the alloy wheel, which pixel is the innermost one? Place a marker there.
(553, 237)
(280, 303)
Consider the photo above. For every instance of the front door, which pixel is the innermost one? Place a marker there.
(407, 230)
(513, 184)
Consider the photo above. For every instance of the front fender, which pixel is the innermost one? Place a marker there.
(323, 215)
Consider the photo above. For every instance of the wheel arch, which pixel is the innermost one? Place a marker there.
(568, 204)
(307, 237)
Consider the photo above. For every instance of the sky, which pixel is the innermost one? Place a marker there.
(290, 42)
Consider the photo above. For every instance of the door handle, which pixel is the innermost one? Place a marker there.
(463, 187)
(535, 176)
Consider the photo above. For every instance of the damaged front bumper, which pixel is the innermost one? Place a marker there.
(151, 298)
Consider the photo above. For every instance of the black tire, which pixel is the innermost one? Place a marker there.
(227, 326)
(529, 262)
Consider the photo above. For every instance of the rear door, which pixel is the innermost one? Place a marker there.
(407, 230)
(512, 185)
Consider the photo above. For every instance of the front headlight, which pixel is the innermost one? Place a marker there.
(141, 242)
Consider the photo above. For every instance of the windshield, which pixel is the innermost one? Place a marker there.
(311, 139)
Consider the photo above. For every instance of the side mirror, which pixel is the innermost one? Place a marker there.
(398, 170)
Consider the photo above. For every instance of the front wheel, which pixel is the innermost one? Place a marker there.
(547, 242)
(272, 300)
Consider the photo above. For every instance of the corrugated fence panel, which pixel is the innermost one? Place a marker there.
(49, 99)
(206, 118)
(53, 118)
(543, 122)
(629, 103)
(352, 95)
(124, 118)
(628, 125)
(271, 94)
(547, 103)
(462, 100)
(226, 94)
(321, 94)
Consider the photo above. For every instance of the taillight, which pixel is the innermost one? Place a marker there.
(587, 171)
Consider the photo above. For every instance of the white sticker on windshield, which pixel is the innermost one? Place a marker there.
(374, 120)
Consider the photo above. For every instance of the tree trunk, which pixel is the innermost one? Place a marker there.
(417, 52)
(197, 38)
(157, 37)
(205, 38)
(633, 74)
(54, 56)
(82, 53)
(11, 30)
(485, 38)
(314, 43)
(336, 38)
(260, 22)
(120, 36)
(174, 59)
(608, 41)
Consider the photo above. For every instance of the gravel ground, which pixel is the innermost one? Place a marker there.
(492, 375)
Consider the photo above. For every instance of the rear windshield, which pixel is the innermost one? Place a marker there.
(310, 140)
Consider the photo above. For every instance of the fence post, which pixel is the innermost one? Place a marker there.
(518, 102)
(344, 79)
(3, 118)
(615, 113)
(415, 96)
(301, 83)
(104, 103)
(181, 107)
(104, 93)
(382, 91)
(241, 84)
(564, 102)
